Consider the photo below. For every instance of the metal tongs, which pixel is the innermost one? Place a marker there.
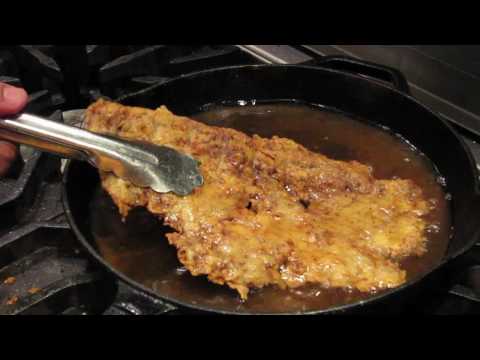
(143, 164)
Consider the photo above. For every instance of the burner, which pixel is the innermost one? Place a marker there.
(43, 270)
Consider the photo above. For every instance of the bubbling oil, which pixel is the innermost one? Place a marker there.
(139, 249)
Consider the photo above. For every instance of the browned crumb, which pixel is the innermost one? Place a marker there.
(12, 301)
(10, 280)
(34, 290)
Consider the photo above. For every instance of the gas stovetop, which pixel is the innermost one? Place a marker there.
(43, 270)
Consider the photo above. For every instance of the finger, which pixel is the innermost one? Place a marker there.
(8, 153)
(12, 99)
(4, 166)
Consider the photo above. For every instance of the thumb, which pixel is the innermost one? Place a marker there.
(12, 99)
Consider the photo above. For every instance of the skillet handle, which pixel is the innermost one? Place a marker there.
(130, 301)
(361, 67)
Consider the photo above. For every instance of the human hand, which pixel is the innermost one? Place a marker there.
(12, 101)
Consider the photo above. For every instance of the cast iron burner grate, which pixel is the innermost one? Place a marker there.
(43, 270)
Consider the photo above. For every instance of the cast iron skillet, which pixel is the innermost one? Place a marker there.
(356, 94)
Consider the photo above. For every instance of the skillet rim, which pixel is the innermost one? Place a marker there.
(331, 310)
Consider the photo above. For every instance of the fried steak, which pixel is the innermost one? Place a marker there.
(270, 211)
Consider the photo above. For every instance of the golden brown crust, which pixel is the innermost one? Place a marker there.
(270, 211)
(10, 280)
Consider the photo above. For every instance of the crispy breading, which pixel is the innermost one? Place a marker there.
(271, 212)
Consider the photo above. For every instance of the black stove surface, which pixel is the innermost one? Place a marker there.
(43, 269)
